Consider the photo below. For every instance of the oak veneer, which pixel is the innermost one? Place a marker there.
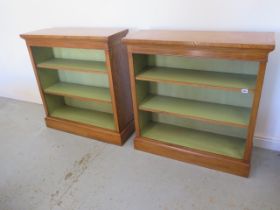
(81, 74)
(196, 94)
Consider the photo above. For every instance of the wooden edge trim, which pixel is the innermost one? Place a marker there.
(192, 44)
(205, 52)
(35, 70)
(208, 160)
(67, 43)
(100, 101)
(254, 111)
(134, 93)
(112, 89)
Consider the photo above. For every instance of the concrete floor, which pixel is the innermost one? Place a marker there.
(42, 168)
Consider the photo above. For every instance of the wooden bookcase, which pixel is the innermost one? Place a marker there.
(196, 94)
(82, 74)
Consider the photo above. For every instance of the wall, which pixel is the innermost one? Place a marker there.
(16, 77)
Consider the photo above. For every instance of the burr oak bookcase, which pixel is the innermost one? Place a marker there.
(196, 94)
(83, 78)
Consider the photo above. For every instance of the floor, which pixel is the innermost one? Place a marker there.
(41, 168)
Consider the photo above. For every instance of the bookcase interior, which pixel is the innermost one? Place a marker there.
(199, 103)
(75, 84)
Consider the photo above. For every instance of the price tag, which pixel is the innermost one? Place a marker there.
(244, 90)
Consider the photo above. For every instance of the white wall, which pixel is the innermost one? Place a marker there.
(17, 16)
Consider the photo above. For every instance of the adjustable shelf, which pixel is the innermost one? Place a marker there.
(82, 92)
(196, 94)
(80, 74)
(95, 118)
(205, 141)
(74, 65)
(198, 110)
(234, 82)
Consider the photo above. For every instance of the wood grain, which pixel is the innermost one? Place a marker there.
(241, 40)
(84, 33)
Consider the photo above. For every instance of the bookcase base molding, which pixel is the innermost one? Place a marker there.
(188, 155)
(91, 131)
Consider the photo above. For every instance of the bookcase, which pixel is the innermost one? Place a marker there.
(196, 94)
(82, 74)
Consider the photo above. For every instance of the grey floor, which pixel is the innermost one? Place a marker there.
(41, 168)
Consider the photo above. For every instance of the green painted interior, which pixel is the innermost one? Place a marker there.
(139, 63)
(205, 141)
(198, 78)
(47, 77)
(166, 110)
(226, 114)
(199, 125)
(142, 90)
(200, 94)
(78, 65)
(83, 91)
(53, 102)
(90, 105)
(79, 54)
(99, 119)
(90, 79)
(144, 118)
(75, 83)
(41, 54)
(205, 64)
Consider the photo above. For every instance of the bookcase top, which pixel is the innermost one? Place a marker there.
(97, 34)
(248, 40)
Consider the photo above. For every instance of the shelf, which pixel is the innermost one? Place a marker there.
(80, 91)
(217, 80)
(74, 65)
(203, 111)
(209, 142)
(95, 118)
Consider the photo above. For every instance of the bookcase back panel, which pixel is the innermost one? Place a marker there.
(90, 105)
(45, 53)
(201, 94)
(79, 54)
(205, 64)
(199, 125)
(54, 102)
(47, 77)
(220, 140)
(91, 79)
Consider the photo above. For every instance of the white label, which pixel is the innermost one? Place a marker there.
(244, 90)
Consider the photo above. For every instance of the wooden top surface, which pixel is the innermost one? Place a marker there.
(253, 40)
(100, 34)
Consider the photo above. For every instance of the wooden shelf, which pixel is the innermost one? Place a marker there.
(218, 80)
(83, 92)
(74, 65)
(95, 118)
(204, 111)
(209, 142)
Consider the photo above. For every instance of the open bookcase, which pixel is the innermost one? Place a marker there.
(196, 94)
(81, 74)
